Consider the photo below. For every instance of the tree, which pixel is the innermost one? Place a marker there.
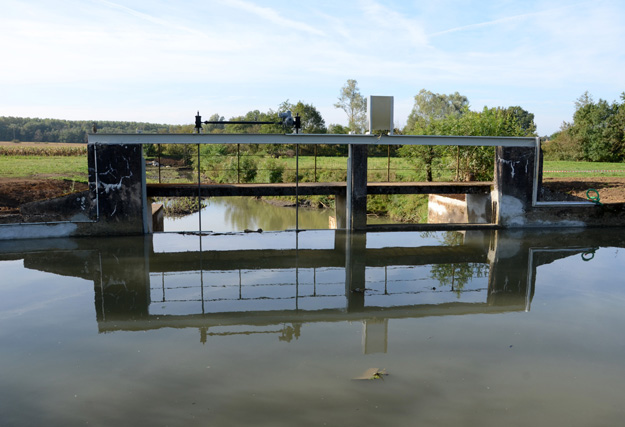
(336, 129)
(562, 145)
(524, 118)
(429, 106)
(468, 162)
(310, 117)
(599, 129)
(215, 128)
(354, 105)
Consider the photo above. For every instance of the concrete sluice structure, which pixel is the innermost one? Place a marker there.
(117, 200)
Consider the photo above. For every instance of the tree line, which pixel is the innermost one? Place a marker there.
(596, 134)
(70, 131)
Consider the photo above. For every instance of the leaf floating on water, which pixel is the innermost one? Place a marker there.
(372, 374)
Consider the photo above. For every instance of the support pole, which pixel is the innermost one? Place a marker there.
(238, 163)
(159, 163)
(297, 188)
(388, 164)
(315, 162)
(199, 192)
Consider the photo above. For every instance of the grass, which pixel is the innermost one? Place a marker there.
(50, 167)
(69, 162)
(328, 169)
(564, 169)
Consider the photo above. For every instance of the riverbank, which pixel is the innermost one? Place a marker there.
(15, 192)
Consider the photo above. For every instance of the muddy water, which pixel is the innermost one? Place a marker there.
(272, 329)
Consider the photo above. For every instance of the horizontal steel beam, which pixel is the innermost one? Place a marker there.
(190, 138)
(316, 189)
(253, 190)
(312, 258)
(429, 187)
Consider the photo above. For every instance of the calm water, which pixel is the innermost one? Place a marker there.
(226, 214)
(473, 329)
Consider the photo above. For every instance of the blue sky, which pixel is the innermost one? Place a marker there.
(161, 61)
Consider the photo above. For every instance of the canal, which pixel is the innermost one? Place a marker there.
(228, 214)
(319, 327)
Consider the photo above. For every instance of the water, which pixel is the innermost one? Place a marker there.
(473, 329)
(227, 214)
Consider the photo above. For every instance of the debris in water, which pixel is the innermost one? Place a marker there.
(372, 374)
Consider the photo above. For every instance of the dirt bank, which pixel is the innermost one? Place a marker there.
(15, 192)
(611, 190)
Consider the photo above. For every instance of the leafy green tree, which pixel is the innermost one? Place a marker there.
(336, 129)
(311, 119)
(599, 129)
(524, 118)
(562, 145)
(429, 109)
(429, 106)
(215, 128)
(354, 105)
(469, 163)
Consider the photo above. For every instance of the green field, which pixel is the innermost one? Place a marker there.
(49, 167)
(562, 169)
(74, 167)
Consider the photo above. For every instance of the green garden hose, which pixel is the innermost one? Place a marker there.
(593, 198)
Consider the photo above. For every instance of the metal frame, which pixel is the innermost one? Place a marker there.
(190, 138)
(368, 139)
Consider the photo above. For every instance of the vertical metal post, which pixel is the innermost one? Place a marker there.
(296, 270)
(315, 162)
(349, 184)
(388, 165)
(159, 163)
(163, 285)
(199, 194)
(238, 163)
(385, 280)
(296, 184)
(201, 274)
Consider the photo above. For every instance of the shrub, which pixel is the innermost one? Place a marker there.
(275, 171)
(249, 169)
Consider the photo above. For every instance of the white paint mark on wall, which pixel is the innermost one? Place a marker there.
(511, 163)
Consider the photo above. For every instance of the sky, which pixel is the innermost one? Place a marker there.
(162, 61)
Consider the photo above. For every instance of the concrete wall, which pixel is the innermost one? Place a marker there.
(459, 209)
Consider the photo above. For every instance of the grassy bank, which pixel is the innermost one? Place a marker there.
(73, 168)
(562, 169)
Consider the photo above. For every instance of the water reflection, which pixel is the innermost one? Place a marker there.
(144, 284)
(227, 214)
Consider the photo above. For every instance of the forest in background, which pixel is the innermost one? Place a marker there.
(596, 132)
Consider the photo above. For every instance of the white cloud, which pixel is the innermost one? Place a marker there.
(273, 16)
(241, 54)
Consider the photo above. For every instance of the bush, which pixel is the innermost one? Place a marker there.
(249, 169)
(275, 171)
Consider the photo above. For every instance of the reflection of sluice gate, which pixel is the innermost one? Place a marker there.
(223, 292)
(313, 288)
(350, 281)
